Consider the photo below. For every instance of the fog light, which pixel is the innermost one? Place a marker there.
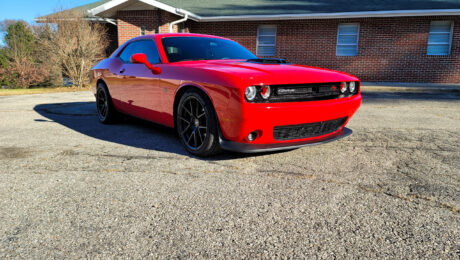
(343, 87)
(352, 87)
(252, 136)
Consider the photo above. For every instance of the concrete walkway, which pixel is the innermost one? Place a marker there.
(73, 188)
(408, 87)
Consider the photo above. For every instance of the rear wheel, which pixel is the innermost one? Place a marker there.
(105, 110)
(196, 124)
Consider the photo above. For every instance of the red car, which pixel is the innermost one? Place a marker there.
(217, 94)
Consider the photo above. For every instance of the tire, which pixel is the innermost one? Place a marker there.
(196, 123)
(105, 110)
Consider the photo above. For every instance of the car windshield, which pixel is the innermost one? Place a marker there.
(202, 48)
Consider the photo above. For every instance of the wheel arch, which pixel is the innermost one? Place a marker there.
(101, 80)
(180, 92)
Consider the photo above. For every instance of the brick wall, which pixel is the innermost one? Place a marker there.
(390, 49)
(154, 21)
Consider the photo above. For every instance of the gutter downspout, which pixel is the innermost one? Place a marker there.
(171, 25)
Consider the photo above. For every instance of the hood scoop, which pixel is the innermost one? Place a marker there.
(267, 61)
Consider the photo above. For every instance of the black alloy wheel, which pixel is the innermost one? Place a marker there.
(105, 111)
(197, 125)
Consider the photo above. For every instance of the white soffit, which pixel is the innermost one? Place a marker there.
(136, 6)
(110, 9)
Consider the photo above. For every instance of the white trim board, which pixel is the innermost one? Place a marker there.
(341, 15)
(109, 5)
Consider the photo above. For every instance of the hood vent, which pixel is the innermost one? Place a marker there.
(268, 61)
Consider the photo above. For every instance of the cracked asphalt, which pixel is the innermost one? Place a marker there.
(73, 188)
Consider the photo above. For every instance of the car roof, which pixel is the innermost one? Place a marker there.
(166, 35)
(158, 36)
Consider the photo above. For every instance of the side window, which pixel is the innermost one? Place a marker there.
(148, 47)
(126, 54)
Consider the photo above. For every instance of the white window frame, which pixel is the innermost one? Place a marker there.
(347, 44)
(261, 44)
(451, 34)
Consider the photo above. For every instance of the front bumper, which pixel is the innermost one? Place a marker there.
(258, 148)
(243, 118)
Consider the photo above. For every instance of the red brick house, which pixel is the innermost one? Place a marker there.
(387, 40)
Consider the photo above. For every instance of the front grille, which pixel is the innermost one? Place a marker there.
(310, 91)
(290, 132)
(304, 92)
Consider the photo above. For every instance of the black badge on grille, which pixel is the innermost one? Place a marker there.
(294, 91)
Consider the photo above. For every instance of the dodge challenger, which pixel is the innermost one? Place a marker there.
(216, 94)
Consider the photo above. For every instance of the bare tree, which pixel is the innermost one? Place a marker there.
(75, 43)
(24, 72)
(4, 24)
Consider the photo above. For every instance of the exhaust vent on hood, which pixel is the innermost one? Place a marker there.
(268, 61)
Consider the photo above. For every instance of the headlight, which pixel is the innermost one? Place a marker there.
(343, 87)
(265, 92)
(250, 93)
(352, 87)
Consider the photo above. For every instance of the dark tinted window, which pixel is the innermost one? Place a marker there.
(201, 48)
(147, 47)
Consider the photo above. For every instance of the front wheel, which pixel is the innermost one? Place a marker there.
(197, 124)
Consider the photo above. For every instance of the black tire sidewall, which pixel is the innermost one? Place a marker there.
(110, 111)
(212, 137)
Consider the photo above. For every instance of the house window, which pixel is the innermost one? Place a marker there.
(347, 39)
(266, 40)
(142, 28)
(440, 38)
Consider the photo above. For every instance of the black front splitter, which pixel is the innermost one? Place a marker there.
(260, 148)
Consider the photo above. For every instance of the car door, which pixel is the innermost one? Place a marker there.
(138, 88)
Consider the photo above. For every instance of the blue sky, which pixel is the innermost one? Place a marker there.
(29, 9)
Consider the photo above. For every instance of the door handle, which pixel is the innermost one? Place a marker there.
(122, 70)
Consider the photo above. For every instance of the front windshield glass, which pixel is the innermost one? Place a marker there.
(202, 48)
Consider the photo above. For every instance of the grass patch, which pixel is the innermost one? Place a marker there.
(29, 91)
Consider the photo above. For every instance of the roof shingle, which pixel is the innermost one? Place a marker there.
(271, 7)
(208, 8)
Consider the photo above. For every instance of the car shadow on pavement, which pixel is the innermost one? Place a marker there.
(82, 117)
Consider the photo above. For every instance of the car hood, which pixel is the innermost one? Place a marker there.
(271, 74)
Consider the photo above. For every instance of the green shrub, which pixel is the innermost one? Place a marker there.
(19, 66)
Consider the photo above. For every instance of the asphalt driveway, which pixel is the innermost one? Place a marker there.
(73, 188)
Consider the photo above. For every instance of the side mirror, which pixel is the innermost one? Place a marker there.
(141, 58)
